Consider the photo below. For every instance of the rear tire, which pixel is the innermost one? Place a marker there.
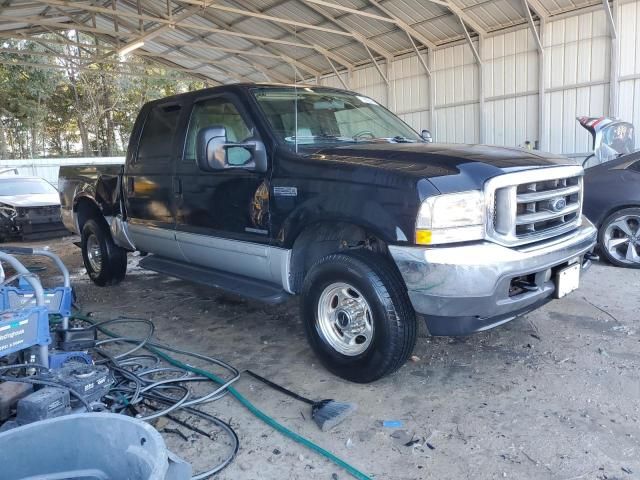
(106, 263)
(619, 238)
(357, 315)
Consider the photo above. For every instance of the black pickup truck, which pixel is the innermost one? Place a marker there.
(269, 191)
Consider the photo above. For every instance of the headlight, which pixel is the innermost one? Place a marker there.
(7, 211)
(455, 217)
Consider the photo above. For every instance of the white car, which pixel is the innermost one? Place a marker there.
(29, 208)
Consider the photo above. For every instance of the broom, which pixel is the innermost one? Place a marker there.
(326, 413)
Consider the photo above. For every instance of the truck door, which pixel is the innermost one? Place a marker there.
(148, 182)
(223, 219)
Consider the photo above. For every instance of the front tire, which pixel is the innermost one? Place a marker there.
(106, 263)
(357, 315)
(619, 238)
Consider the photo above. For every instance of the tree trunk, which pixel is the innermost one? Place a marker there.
(34, 141)
(110, 137)
(20, 142)
(3, 142)
(82, 127)
(12, 143)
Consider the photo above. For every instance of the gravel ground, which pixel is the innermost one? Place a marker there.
(553, 395)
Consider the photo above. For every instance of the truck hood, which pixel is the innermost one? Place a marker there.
(31, 200)
(449, 167)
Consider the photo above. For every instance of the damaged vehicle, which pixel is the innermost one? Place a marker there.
(29, 209)
(268, 191)
(612, 189)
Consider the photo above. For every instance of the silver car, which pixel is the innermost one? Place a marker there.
(29, 209)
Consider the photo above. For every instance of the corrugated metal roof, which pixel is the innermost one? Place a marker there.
(264, 36)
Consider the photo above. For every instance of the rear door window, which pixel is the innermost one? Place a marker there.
(159, 129)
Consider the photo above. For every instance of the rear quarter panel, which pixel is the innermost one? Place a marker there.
(97, 183)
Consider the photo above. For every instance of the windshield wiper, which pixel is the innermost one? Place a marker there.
(323, 136)
(401, 139)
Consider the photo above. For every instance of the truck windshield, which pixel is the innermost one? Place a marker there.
(25, 187)
(306, 116)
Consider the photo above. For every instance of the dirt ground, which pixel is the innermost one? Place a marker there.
(553, 395)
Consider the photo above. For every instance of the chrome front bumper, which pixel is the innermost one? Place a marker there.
(464, 289)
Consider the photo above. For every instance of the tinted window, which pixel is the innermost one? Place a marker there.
(157, 134)
(218, 111)
(25, 187)
(635, 166)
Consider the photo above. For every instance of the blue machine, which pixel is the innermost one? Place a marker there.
(57, 300)
(60, 359)
(24, 328)
(26, 325)
(25, 310)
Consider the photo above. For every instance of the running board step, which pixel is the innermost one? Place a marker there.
(228, 282)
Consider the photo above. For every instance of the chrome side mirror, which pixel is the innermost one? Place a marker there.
(426, 136)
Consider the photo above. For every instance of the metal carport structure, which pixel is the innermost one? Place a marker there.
(471, 70)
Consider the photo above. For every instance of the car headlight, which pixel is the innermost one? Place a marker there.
(449, 218)
(7, 211)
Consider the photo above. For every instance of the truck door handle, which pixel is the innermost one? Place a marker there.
(177, 186)
(130, 184)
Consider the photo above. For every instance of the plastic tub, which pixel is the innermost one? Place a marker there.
(88, 446)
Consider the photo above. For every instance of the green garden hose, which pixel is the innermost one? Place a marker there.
(156, 349)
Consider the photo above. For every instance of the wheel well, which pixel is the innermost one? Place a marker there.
(321, 239)
(614, 210)
(86, 209)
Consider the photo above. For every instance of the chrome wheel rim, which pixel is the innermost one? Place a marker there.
(344, 319)
(622, 239)
(94, 253)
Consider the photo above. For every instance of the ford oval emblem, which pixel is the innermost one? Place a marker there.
(558, 204)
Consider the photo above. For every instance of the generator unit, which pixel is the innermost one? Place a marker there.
(58, 300)
(25, 325)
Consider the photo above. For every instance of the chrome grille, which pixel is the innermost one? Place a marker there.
(534, 205)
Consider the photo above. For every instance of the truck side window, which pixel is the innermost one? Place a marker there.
(218, 111)
(157, 134)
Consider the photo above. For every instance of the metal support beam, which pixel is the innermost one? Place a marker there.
(470, 42)
(361, 38)
(216, 64)
(532, 25)
(202, 40)
(353, 11)
(461, 15)
(38, 21)
(297, 33)
(539, 9)
(542, 102)
(391, 92)
(614, 82)
(289, 31)
(273, 19)
(403, 25)
(389, 17)
(332, 56)
(420, 59)
(611, 21)
(333, 67)
(377, 65)
(482, 133)
(432, 96)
